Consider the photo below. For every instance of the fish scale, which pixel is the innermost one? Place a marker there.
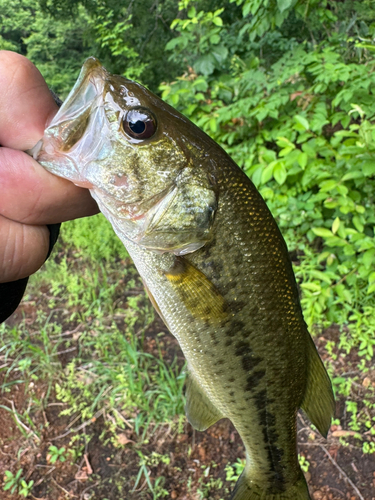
(213, 262)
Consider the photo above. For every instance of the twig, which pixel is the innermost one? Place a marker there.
(123, 419)
(82, 426)
(304, 429)
(342, 472)
(88, 465)
(73, 422)
(88, 488)
(336, 489)
(24, 426)
(63, 489)
(143, 485)
(344, 278)
(63, 352)
(344, 475)
(46, 474)
(65, 334)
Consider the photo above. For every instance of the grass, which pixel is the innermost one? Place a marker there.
(88, 343)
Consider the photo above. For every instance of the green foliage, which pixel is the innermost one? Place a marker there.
(294, 107)
(302, 129)
(98, 318)
(304, 464)
(199, 35)
(234, 471)
(57, 47)
(128, 37)
(91, 237)
(130, 385)
(55, 453)
(286, 87)
(156, 487)
(16, 483)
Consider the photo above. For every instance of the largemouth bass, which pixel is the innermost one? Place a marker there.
(213, 262)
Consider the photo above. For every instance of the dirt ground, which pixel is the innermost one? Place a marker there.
(193, 462)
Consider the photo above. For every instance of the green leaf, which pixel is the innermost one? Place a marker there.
(214, 39)
(322, 232)
(286, 151)
(279, 173)
(205, 64)
(268, 172)
(302, 160)
(257, 176)
(356, 174)
(357, 223)
(220, 53)
(283, 142)
(314, 287)
(321, 276)
(360, 209)
(368, 257)
(192, 12)
(328, 185)
(173, 43)
(335, 225)
(302, 121)
(368, 167)
(213, 125)
(284, 4)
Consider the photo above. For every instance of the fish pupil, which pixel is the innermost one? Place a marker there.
(137, 127)
(139, 123)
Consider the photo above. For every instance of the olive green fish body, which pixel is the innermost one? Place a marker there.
(213, 262)
(242, 358)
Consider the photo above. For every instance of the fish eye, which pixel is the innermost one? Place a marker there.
(139, 123)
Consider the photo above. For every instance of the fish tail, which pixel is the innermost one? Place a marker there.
(246, 490)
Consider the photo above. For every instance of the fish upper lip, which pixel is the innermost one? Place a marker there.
(84, 184)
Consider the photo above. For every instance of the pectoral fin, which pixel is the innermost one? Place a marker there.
(200, 412)
(318, 402)
(197, 292)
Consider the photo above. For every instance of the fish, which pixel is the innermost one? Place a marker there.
(213, 262)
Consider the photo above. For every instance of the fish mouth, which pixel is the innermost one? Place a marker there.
(71, 140)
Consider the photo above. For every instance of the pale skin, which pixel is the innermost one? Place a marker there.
(30, 197)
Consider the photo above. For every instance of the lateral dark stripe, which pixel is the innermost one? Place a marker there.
(274, 453)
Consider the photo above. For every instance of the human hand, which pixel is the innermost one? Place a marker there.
(30, 197)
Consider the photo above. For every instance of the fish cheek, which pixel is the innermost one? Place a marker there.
(184, 221)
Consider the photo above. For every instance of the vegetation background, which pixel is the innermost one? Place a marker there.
(286, 87)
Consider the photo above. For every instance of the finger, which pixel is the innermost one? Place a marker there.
(31, 195)
(23, 249)
(26, 104)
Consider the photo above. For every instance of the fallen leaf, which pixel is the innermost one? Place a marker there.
(366, 382)
(123, 439)
(344, 433)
